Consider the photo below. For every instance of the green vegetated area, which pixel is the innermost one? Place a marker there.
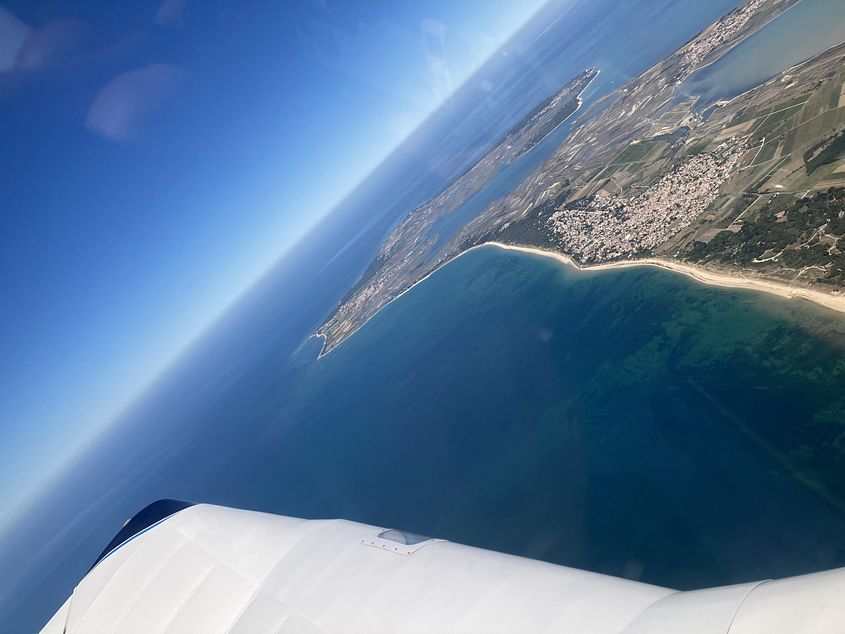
(747, 115)
(566, 110)
(698, 146)
(825, 152)
(533, 229)
(774, 122)
(549, 125)
(635, 152)
(767, 153)
(533, 114)
(785, 233)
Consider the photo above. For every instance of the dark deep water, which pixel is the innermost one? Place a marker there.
(627, 422)
(634, 423)
(630, 422)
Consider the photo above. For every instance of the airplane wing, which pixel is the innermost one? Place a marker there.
(206, 569)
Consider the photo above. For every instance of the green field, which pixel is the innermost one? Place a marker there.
(767, 153)
(754, 114)
(774, 123)
(635, 152)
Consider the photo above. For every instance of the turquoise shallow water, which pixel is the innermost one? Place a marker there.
(632, 422)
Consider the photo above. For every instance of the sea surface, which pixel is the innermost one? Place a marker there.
(804, 31)
(630, 422)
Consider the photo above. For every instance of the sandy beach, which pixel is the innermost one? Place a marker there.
(832, 301)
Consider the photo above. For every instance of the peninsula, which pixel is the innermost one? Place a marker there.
(748, 192)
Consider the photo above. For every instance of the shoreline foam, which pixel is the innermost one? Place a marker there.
(830, 301)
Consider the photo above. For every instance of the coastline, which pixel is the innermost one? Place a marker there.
(829, 301)
(746, 36)
(580, 98)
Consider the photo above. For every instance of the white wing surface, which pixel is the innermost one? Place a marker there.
(208, 569)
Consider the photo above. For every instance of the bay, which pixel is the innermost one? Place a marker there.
(804, 31)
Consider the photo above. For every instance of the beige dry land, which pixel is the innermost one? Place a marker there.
(650, 177)
(832, 300)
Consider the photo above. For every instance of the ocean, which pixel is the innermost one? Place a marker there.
(630, 422)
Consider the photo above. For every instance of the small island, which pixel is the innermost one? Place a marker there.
(748, 192)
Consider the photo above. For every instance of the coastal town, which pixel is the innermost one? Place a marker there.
(697, 52)
(612, 226)
(650, 174)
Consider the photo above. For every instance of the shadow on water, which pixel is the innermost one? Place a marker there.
(633, 423)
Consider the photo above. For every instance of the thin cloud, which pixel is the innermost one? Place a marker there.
(121, 109)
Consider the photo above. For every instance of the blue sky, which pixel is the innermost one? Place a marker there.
(159, 156)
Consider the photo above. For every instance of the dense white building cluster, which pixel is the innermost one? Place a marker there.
(612, 226)
(725, 29)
